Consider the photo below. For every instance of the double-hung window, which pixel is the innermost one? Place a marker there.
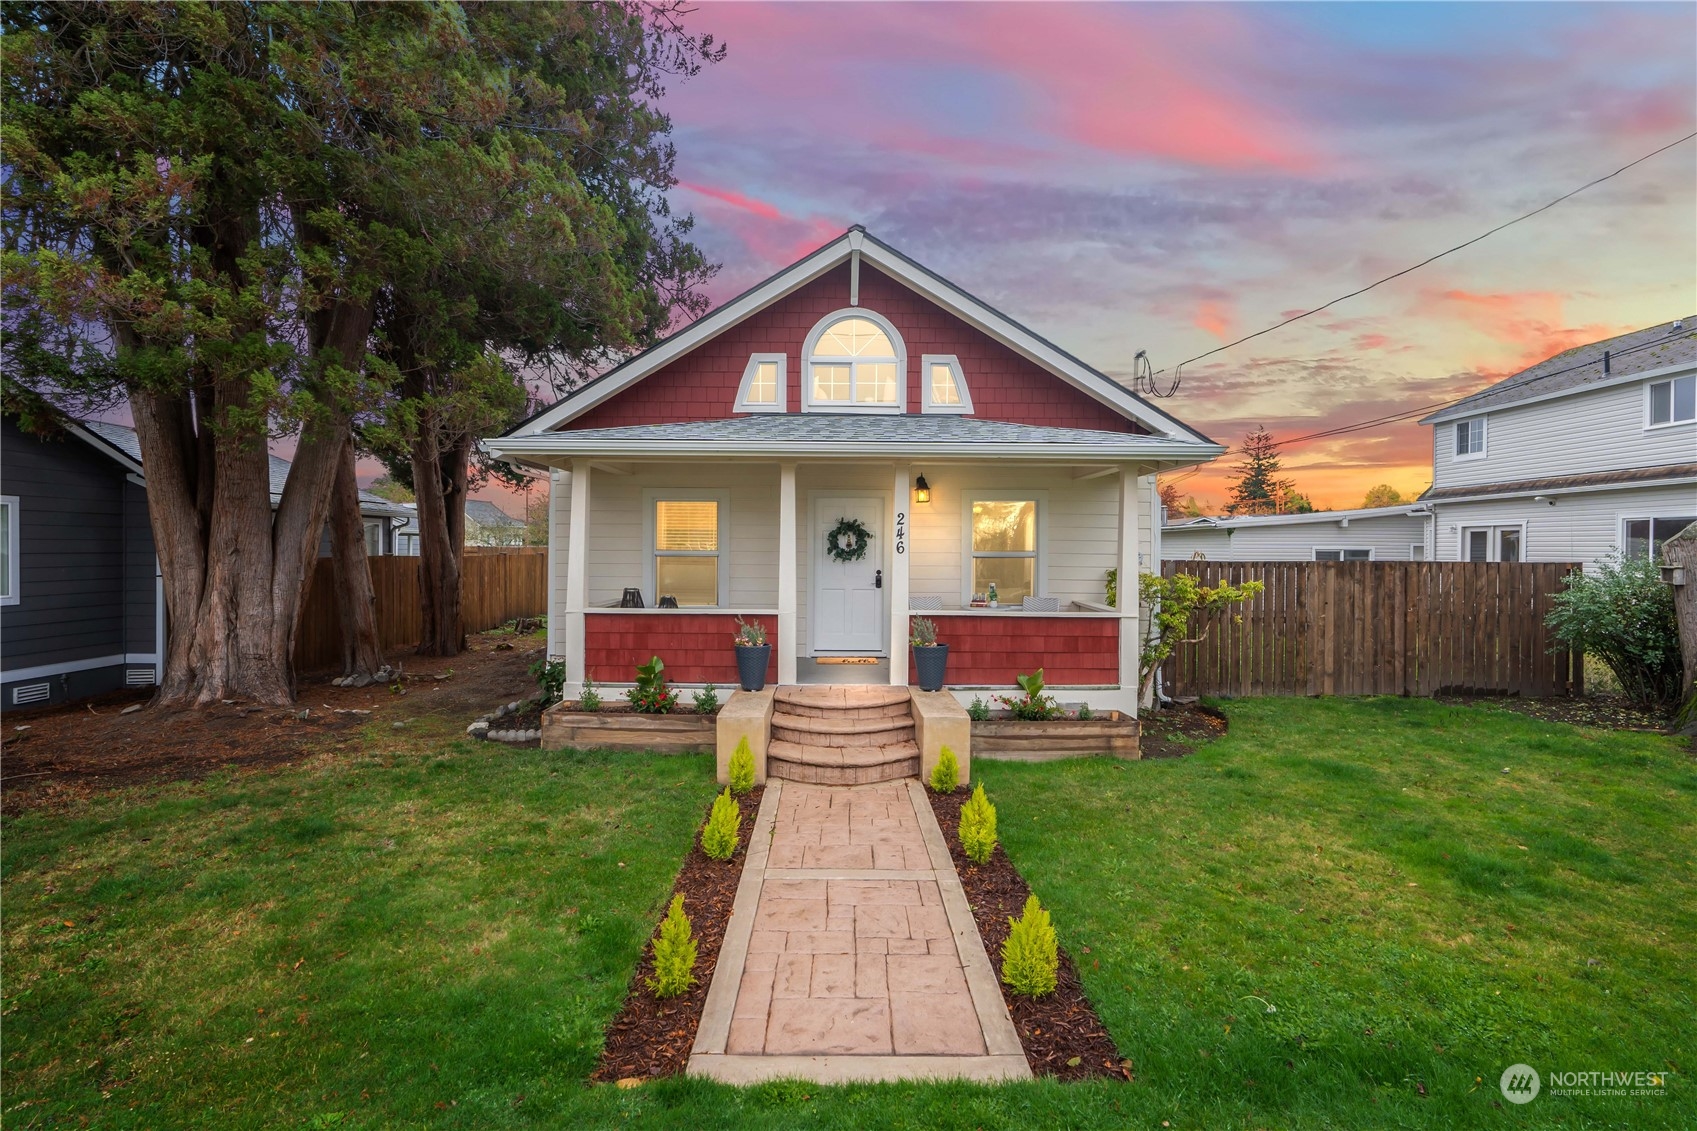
(686, 531)
(1643, 537)
(1002, 540)
(855, 363)
(1470, 438)
(8, 549)
(1673, 401)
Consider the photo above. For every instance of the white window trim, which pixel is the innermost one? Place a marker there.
(1620, 528)
(812, 343)
(1003, 494)
(1651, 425)
(926, 361)
(1494, 544)
(1417, 551)
(1372, 554)
(10, 502)
(781, 404)
(1484, 438)
(653, 495)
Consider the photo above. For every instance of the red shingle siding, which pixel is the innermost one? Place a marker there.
(702, 385)
(696, 648)
(990, 650)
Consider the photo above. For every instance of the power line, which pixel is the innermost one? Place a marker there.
(1406, 270)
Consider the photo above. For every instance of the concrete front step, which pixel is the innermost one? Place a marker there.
(808, 730)
(821, 766)
(869, 702)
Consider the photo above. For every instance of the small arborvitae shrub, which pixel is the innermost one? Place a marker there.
(590, 699)
(945, 775)
(707, 700)
(719, 839)
(979, 711)
(1031, 957)
(742, 767)
(674, 953)
(978, 827)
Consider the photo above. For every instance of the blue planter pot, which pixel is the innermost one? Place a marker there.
(932, 664)
(751, 665)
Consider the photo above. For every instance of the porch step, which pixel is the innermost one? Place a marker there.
(841, 765)
(851, 735)
(818, 730)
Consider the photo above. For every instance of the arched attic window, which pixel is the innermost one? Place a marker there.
(855, 362)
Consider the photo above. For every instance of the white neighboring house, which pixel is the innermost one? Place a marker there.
(1378, 534)
(1587, 452)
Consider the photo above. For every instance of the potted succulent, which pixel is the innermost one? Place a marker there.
(753, 654)
(930, 657)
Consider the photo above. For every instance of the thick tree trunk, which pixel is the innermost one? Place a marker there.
(439, 475)
(1681, 551)
(362, 651)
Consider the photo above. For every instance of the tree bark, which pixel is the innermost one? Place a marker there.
(440, 482)
(362, 650)
(1681, 551)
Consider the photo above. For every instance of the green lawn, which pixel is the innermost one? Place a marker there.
(437, 939)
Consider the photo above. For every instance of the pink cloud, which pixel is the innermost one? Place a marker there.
(735, 200)
(1213, 318)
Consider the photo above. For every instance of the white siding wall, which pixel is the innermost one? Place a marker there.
(1581, 527)
(1587, 432)
(1079, 527)
(1389, 537)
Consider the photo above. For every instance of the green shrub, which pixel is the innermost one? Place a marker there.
(550, 677)
(719, 838)
(979, 711)
(1623, 613)
(923, 634)
(1170, 604)
(651, 696)
(674, 953)
(590, 699)
(1085, 714)
(1033, 705)
(707, 700)
(742, 767)
(1031, 957)
(945, 775)
(978, 827)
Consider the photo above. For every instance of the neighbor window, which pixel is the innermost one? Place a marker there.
(763, 385)
(1002, 537)
(945, 387)
(1491, 544)
(1470, 437)
(855, 363)
(373, 539)
(1675, 401)
(1644, 536)
(1417, 552)
(8, 550)
(686, 550)
(1343, 555)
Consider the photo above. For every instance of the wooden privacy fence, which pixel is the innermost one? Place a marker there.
(1378, 628)
(495, 588)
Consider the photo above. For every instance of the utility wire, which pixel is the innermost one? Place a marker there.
(1417, 266)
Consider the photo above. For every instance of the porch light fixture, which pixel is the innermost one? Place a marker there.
(921, 490)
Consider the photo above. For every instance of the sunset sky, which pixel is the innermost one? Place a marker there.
(1169, 177)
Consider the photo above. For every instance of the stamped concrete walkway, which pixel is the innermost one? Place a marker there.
(851, 953)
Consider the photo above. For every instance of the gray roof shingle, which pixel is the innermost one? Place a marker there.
(829, 428)
(1654, 347)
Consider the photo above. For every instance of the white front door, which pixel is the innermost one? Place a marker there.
(847, 614)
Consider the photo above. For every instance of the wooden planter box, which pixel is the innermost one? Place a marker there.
(567, 729)
(1016, 740)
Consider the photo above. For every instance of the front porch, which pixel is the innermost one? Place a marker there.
(740, 539)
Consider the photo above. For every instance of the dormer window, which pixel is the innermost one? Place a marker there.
(945, 386)
(1470, 438)
(855, 362)
(765, 385)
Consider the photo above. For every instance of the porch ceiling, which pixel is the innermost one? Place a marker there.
(829, 435)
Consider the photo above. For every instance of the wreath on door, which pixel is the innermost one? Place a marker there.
(847, 540)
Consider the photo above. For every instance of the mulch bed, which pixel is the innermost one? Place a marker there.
(651, 1037)
(1062, 1035)
(1175, 731)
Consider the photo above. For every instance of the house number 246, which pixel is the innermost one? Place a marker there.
(901, 532)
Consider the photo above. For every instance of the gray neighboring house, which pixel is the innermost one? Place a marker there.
(81, 606)
(485, 525)
(1376, 534)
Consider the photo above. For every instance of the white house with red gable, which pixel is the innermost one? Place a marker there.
(730, 469)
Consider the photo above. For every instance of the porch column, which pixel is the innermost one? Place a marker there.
(1130, 639)
(901, 535)
(787, 643)
(577, 578)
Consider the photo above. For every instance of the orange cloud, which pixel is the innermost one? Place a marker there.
(1213, 318)
(1530, 324)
